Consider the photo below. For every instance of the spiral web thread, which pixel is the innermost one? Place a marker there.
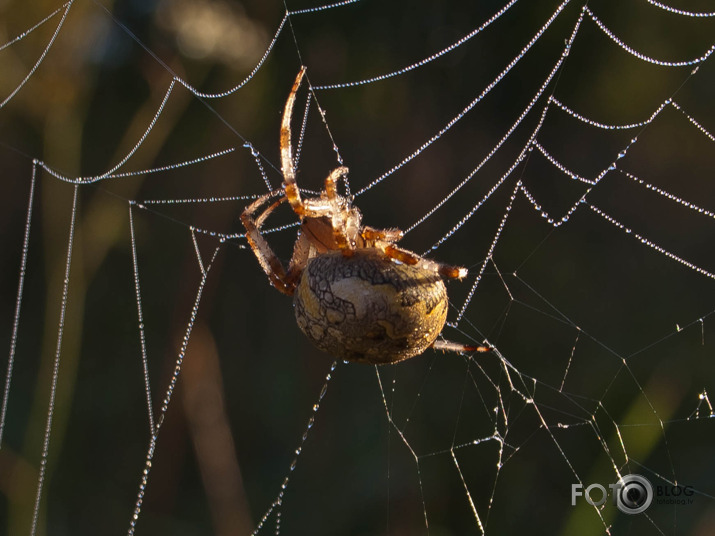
(544, 104)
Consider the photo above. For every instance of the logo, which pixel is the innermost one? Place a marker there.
(632, 494)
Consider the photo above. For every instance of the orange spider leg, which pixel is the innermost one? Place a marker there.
(268, 260)
(372, 235)
(290, 186)
(408, 257)
(301, 253)
(264, 215)
(402, 255)
(337, 212)
(331, 182)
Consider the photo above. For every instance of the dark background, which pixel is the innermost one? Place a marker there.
(606, 343)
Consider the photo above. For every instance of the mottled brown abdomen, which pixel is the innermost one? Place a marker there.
(368, 308)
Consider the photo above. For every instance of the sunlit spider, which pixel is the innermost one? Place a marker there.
(356, 294)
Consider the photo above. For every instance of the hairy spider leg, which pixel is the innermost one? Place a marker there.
(264, 215)
(266, 258)
(331, 182)
(338, 213)
(334, 210)
(371, 235)
(284, 281)
(290, 186)
(408, 257)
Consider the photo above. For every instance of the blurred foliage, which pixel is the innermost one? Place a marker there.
(586, 309)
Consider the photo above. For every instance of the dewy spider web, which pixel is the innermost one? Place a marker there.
(155, 383)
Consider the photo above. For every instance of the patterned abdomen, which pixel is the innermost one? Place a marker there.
(368, 308)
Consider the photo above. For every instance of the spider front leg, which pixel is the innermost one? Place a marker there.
(284, 281)
(290, 186)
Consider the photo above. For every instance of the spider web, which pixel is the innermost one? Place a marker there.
(155, 383)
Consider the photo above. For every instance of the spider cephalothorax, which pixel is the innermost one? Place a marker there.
(357, 295)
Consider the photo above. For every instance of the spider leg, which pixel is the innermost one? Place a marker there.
(268, 260)
(290, 186)
(262, 200)
(264, 215)
(338, 213)
(371, 235)
(408, 257)
(331, 182)
(449, 346)
(298, 261)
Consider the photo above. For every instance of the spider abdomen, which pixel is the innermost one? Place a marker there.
(365, 307)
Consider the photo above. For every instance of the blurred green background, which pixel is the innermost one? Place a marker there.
(609, 342)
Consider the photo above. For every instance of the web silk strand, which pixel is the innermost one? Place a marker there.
(55, 368)
(18, 302)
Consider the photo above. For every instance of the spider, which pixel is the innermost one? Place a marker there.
(356, 294)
